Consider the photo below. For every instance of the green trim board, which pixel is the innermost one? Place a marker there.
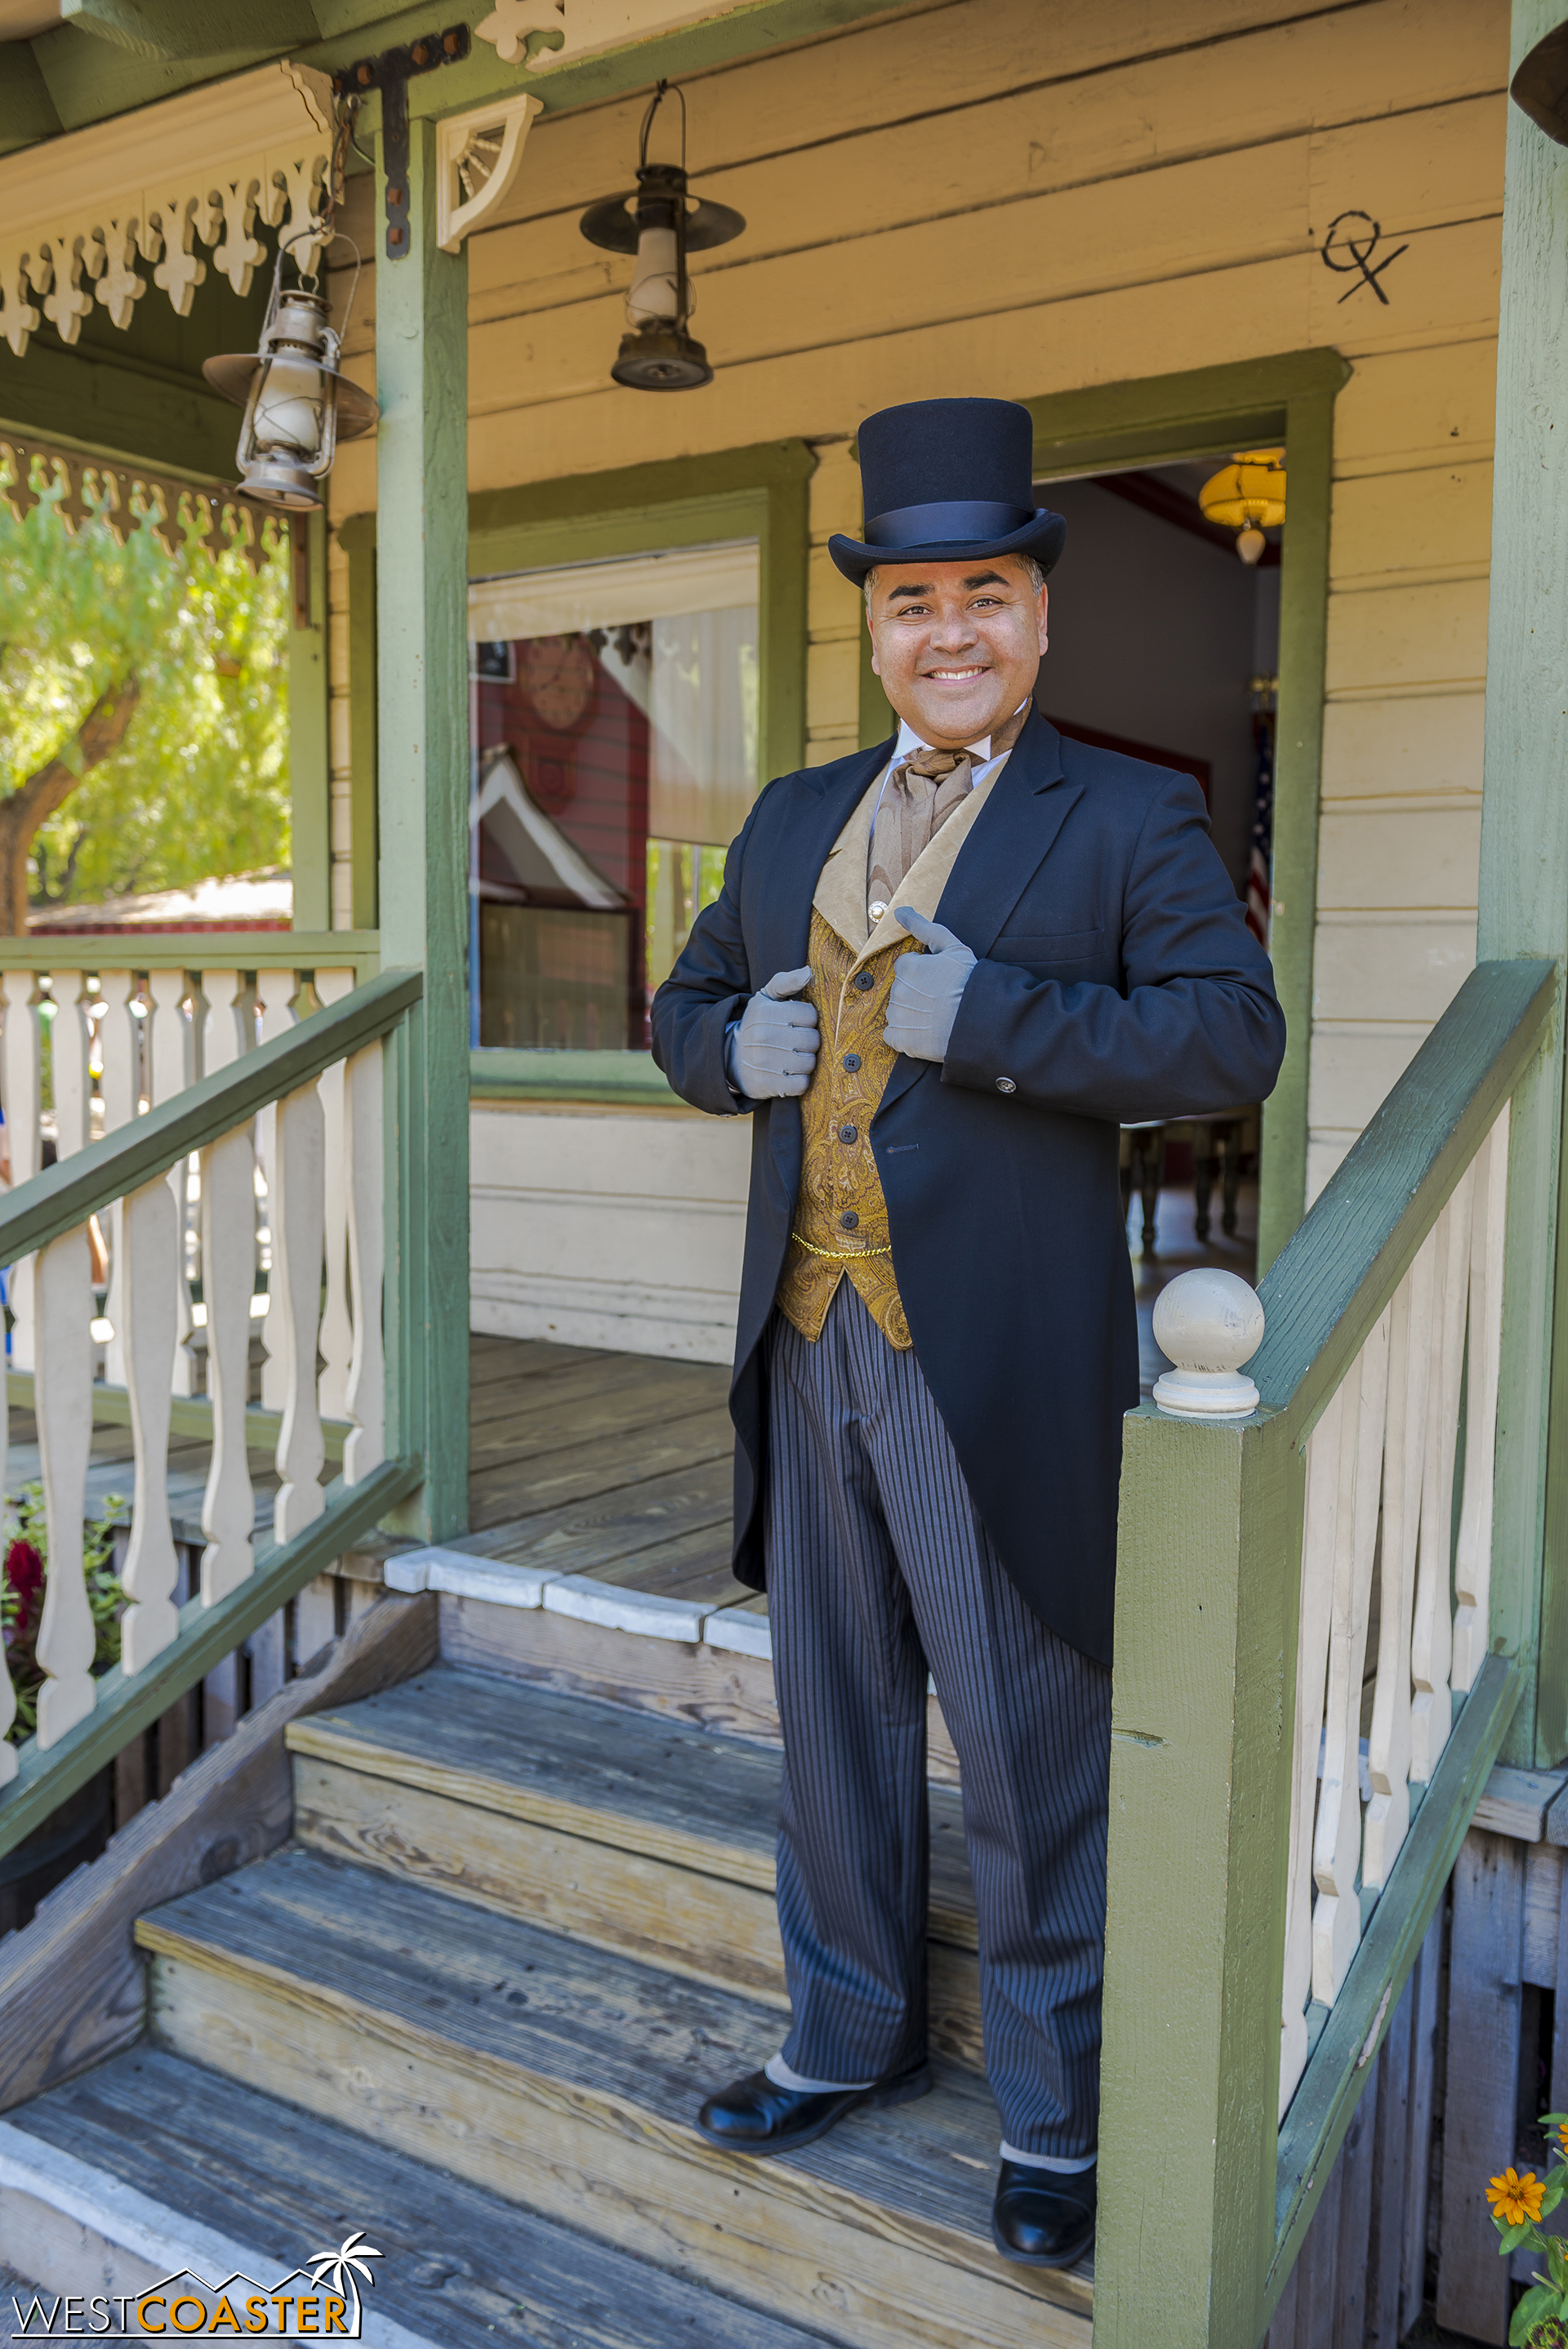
(1340, 2066)
(310, 772)
(1156, 420)
(132, 949)
(357, 539)
(206, 1635)
(628, 1078)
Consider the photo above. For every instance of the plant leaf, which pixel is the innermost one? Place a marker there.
(1539, 2301)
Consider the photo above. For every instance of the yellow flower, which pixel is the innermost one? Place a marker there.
(1514, 2198)
(1563, 2135)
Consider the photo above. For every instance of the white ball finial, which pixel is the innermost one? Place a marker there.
(1210, 1322)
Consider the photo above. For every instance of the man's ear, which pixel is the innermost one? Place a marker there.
(873, 633)
(1045, 616)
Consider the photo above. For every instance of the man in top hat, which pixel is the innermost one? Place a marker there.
(940, 975)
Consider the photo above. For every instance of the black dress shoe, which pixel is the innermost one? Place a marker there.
(756, 2116)
(1043, 2218)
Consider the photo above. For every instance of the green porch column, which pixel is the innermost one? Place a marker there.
(310, 774)
(1524, 883)
(421, 357)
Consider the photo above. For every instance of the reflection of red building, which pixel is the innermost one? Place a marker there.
(578, 741)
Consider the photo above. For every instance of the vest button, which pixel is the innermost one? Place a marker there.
(864, 979)
(849, 1220)
(849, 1134)
(1005, 1085)
(852, 1061)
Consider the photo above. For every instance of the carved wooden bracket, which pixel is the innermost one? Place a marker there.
(205, 168)
(179, 516)
(477, 156)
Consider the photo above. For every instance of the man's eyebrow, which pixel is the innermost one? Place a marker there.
(986, 579)
(916, 587)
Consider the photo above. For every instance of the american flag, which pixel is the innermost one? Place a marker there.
(1258, 894)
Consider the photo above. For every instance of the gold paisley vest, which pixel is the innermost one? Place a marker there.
(840, 1226)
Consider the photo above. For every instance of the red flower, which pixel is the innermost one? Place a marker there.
(24, 1570)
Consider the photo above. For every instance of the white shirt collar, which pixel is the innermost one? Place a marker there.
(909, 742)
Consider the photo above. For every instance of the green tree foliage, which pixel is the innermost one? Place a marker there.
(198, 782)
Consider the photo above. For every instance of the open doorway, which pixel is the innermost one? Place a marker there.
(1165, 645)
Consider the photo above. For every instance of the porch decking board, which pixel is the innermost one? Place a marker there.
(463, 2268)
(573, 1472)
(535, 2063)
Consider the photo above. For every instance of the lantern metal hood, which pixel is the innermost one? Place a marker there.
(298, 404)
(663, 226)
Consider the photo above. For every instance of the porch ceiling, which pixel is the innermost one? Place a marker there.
(110, 58)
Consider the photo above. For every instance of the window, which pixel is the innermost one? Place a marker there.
(615, 723)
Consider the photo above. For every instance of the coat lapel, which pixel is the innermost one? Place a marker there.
(823, 808)
(1014, 834)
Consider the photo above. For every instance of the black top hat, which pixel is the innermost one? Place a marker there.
(945, 481)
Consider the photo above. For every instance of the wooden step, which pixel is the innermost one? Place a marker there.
(632, 1832)
(567, 2080)
(461, 2268)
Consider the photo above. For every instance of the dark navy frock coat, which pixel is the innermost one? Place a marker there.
(1117, 980)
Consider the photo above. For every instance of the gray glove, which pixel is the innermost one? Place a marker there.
(923, 1001)
(772, 1050)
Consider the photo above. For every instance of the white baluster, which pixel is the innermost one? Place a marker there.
(21, 1102)
(337, 1329)
(1389, 1742)
(68, 1058)
(228, 1275)
(63, 1399)
(1319, 1535)
(171, 1060)
(275, 991)
(1432, 1633)
(1336, 1846)
(366, 1446)
(298, 1165)
(119, 1048)
(1472, 1561)
(148, 1260)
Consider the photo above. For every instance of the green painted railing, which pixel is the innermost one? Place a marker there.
(53, 1207)
(1205, 2194)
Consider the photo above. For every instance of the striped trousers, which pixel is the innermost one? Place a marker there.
(878, 1566)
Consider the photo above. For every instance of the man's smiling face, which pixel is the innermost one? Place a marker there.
(957, 646)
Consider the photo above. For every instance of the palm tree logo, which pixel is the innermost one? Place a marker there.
(339, 2271)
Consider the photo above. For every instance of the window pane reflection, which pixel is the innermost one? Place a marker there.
(614, 722)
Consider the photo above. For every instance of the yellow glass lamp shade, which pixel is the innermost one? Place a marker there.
(1248, 497)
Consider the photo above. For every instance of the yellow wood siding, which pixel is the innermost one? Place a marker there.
(991, 197)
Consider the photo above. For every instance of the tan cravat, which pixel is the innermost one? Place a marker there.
(920, 795)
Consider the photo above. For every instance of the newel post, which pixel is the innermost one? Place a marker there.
(1207, 1591)
(421, 361)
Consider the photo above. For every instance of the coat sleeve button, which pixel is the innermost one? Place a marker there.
(1005, 1085)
